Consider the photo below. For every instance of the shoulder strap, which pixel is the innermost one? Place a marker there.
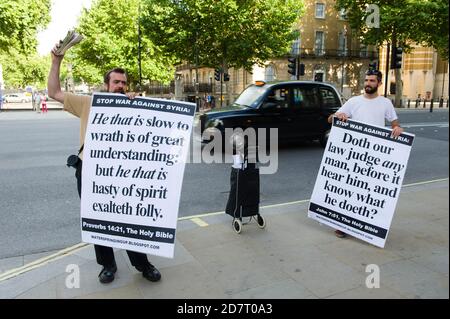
(81, 149)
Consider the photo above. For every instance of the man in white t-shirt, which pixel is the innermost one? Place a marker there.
(369, 108)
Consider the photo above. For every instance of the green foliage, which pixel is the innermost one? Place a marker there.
(229, 33)
(402, 22)
(20, 20)
(110, 29)
(20, 70)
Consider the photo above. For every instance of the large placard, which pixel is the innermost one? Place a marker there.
(133, 164)
(359, 180)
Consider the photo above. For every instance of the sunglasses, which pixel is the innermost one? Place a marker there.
(375, 72)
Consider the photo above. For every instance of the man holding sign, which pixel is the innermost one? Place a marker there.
(369, 108)
(115, 81)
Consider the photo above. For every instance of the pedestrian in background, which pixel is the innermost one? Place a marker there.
(37, 102)
(44, 104)
(369, 108)
(115, 81)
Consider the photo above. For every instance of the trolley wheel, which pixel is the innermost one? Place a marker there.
(237, 226)
(261, 221)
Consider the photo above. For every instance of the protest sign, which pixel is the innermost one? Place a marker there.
(133, 164)
(359, 180)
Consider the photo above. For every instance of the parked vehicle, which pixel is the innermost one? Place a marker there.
(16, 98)
(298, 109)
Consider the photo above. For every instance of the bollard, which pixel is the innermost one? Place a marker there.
(431, 106)
(417, 103)
(424, 103)
(441, 102)
(409, 103)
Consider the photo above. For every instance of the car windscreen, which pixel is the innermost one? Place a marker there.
(250, 96)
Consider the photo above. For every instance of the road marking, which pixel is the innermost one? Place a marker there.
(426, 182)
(194, 218)
(199, 222)
(438, 124)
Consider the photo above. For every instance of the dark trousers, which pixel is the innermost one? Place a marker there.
(104, 254)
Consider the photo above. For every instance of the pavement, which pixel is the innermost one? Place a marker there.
(293, 257)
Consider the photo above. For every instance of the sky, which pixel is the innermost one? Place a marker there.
(64, 16)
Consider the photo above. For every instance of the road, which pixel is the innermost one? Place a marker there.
(40, 206)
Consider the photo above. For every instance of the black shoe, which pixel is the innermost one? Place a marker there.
(150, 272)
(340, 234)
(107, 274)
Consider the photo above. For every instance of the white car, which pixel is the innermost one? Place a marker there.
(16, 98)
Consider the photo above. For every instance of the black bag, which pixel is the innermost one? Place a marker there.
(243, 200)
(74, 160)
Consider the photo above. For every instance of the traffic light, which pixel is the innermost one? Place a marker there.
(292, 66)
(226, 77)
(396, 61)
(301, 69)
(217, 74)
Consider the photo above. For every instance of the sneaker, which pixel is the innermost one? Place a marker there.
(150, 273)
(340, 234)
(107, 274)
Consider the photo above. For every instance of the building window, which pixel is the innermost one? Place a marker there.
(295, 48)
(269, 74)
(343, 14)
(320, 43)
(319, 76)
(320, 10)
(363, 51)
(342, 45)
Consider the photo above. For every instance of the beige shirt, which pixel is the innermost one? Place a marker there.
(80, 106)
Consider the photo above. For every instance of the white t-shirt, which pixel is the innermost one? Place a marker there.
(370, 111)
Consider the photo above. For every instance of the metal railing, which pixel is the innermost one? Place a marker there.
(427, 103)
(202, 88)
(154, 88)
(337, 53)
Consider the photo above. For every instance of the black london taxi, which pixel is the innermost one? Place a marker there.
(298, 109)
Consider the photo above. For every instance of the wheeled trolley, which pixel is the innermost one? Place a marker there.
(243, 201)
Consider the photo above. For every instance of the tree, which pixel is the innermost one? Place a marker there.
(111, 40)
(401, 23)
(20, 70)
(433, 27)
(226, 33)
(20, 21)
(239, 32)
